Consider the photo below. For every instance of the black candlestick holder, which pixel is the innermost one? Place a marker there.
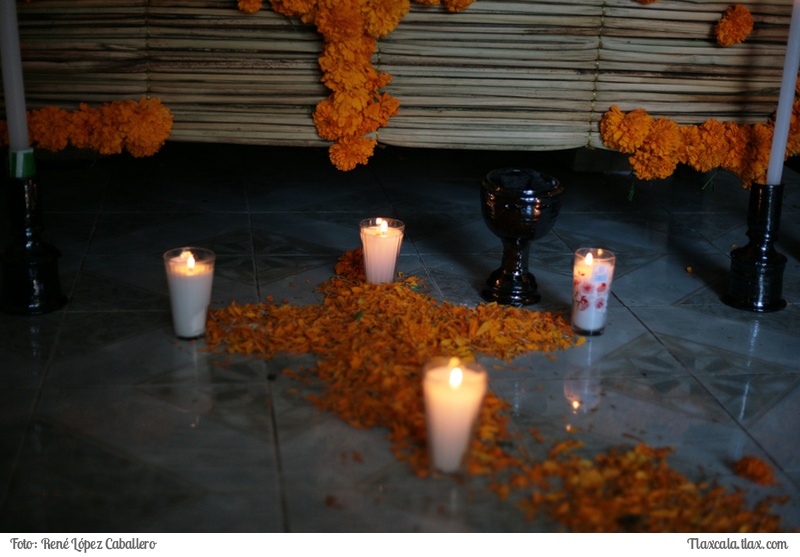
(30, 281)
(756, 276)
(519, 205)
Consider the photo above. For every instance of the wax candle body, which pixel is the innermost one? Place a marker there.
(190, 276)
(451, 409)
(591, 284)
(783, 115)
(380, 241)
(13, 87)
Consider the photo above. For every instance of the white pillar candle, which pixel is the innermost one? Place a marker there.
(380, 241)
(453, 393)
(783, 116)
(591, 283)
(13, 86)
(190, 274)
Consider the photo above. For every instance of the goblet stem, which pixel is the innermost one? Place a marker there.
(512, 283)
(516, 252)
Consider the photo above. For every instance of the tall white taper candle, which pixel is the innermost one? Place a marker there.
(13, 86)
(783, 118)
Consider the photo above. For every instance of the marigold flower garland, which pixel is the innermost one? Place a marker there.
(657, 146)
(372, 340)
(357, 105)
(140, 128)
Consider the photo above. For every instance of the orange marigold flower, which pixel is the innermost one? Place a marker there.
(83, 121)
(48, 128)
(457, 5)
(348, 152)
(388, 107)
(339, 21)
(148, 128)
(349, 102)
(293, 8)
(332, 122)
(378, 112)
(712, 134)
(249, 6)
(691, 145)
(355, 50)
(663, 138)
(382, 16)
(625, 132)
(379, 81)
(347, 64)
(754, 469)
(645, 2)
(735, 25)
(737, 138)
(649, 166)
(704, 146)
(105, 138)
(428, 2)
(657, 157)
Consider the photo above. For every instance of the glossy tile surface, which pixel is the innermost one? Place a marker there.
(108, 423)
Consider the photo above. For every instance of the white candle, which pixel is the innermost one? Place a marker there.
(380, 240)
(592, 274)
(13, 86)
(783, 116)
(190, 274)
(453, 393)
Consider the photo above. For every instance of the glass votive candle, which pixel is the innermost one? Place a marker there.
(592, 274)
(380, 241)
(453, 394)
(190, 274)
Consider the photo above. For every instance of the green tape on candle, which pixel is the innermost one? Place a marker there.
(21, 164)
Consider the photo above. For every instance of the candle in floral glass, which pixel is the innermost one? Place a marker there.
(591, 284)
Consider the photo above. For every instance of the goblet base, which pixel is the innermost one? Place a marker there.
(511, 289)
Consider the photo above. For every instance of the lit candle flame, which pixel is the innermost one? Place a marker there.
(384, 226)
(589, 259)
(189, 256)
(456, 377)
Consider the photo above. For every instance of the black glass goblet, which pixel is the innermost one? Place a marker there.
(519, 205)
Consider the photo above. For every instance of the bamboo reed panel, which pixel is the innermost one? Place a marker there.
(503, 74)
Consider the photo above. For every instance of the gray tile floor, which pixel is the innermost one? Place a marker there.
(108, 423)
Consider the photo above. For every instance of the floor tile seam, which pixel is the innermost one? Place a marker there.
(277, 450)
(34, 405)
(775, 402)
(720, 404)
(653, 334)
